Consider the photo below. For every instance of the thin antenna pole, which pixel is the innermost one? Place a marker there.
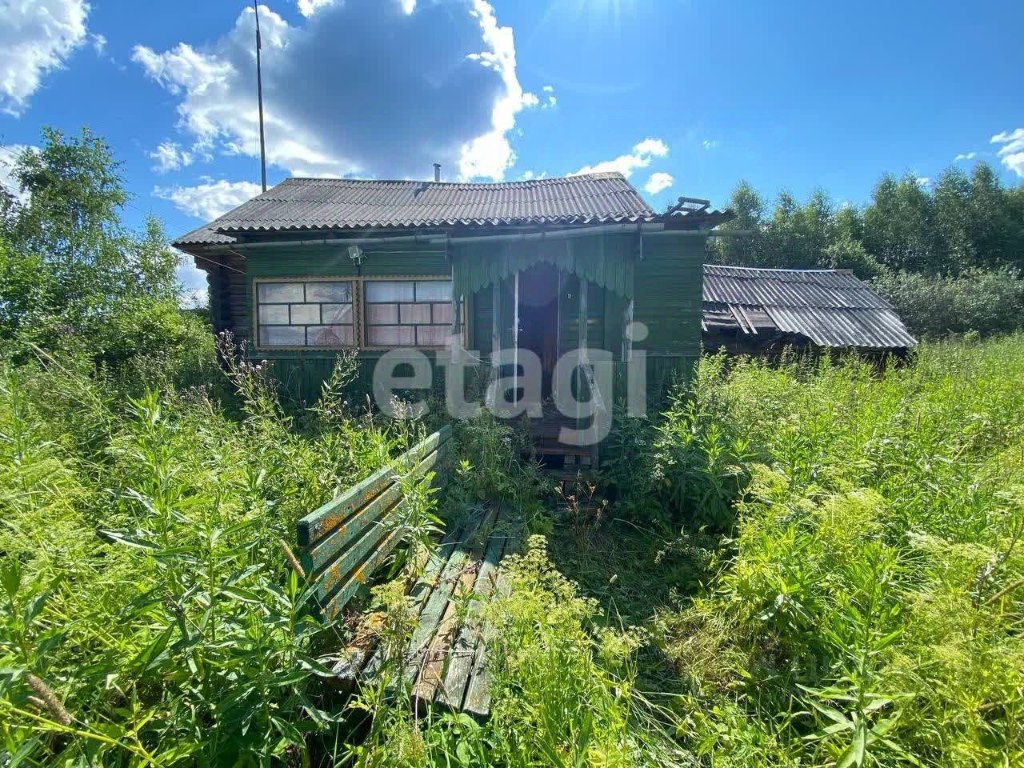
(259, 95)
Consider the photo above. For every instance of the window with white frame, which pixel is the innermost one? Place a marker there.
(315, 313)
(407, 313)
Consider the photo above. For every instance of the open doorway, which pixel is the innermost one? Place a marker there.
(538, 317)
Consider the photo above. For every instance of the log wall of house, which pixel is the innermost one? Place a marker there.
(227, 285)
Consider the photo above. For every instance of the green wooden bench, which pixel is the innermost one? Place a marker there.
(344, 542)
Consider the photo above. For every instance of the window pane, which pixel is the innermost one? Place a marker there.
(280, 292)
(389, 290)
(274, 314)
(305, 314)
(432, 335)
(337, 314)
(382, 314)
(329, 335)
(340, 293)
(442, 313)
(433, 290)
(282, 336)
(414, 313)
(391, 336)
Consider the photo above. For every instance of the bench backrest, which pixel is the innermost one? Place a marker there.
(343, 542)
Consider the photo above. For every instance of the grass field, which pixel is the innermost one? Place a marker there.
(801, 565)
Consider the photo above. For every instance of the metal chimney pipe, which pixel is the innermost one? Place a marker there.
(437, 171)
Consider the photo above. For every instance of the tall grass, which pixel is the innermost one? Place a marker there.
(148, 613)
(868, 609)
(853, 539)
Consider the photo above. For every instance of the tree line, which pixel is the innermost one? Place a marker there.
(949, 255)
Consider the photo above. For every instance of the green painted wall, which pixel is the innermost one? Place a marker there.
(668, 289)
(667, 299)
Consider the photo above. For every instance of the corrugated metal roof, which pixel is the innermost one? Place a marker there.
(317, 204)
(830, 307)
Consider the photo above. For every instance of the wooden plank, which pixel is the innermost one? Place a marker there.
(365, 663)
(327, 518)
(333, 552)
(434, 586)
(477, 700)
(456, 679)
(337, 601)
(321, 554)
(431, 576)
(438, 655)
(434, 608)
(356, 556)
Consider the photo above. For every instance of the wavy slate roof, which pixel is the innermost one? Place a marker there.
(317, 204)
(830, 307)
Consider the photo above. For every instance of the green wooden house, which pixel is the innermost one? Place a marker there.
(316, 265)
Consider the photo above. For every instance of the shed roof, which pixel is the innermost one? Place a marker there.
(318, 204)
(830, 307)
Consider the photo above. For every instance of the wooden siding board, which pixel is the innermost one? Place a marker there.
(667, 281)
(669, 284)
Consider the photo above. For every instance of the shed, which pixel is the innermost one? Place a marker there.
(545, 266)
(762, 311)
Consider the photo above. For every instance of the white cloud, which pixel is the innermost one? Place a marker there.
(36, 37)
(8, 157)
(442, 88)
(170, 157)
(194, 298)
(1012, 150)
(965, 156)
(209, 199)
(641, 157)
(309, 7)
(658, 182)
(490, 155)
(923, 181)
(709, 143)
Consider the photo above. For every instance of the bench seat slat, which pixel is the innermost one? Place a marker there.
(478, 691)
(438, 654)
(321, 522)
(433, 610)
(368, 662)
(337, 601)
(316, 558)
(456, 680)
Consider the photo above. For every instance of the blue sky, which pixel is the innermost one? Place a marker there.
(687, 98)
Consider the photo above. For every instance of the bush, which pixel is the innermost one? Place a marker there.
(934, 307)
(562, 689)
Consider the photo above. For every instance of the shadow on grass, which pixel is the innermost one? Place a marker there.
(634, 573)
(630, 571)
